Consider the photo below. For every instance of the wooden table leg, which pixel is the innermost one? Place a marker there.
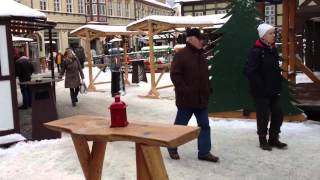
(91, 163)
(150, 165)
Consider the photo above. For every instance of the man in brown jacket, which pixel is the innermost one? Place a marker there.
(190, 76)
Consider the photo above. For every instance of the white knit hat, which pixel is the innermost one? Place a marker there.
(263, 28)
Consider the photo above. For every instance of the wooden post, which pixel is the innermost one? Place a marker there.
(153, 90)
(125, 56)
(260, 6)
(91, 86)
(292, 40)
(284, 34)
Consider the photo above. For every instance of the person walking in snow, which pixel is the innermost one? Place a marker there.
(190, 76)
(264, 75)
(72, 68)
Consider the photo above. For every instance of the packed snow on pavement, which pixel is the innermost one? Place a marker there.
(234, 141)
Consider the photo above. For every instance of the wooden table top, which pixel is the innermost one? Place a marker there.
(95, 128)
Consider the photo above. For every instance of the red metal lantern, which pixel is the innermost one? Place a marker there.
(118, 113)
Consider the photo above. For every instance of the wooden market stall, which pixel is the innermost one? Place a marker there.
(153, 25)
(15, 19)
(91, 31)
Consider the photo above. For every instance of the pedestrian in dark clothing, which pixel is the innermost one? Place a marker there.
(79, 51)
(264, 74)
(190, 76)
(24, 70)
(71, 66)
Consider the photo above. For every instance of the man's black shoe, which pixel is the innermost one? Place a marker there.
(274, 142)
(264, 143)
(209, 157)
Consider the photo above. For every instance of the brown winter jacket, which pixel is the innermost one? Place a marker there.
(190, 76)
(72, 68)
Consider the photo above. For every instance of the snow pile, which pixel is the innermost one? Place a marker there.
(11, 138)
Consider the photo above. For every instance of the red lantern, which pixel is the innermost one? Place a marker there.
(118, 113)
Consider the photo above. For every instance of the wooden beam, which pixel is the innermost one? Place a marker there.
(306, 70)
(260, 6)
(153, 91)
(125, 57)
(91, 86)
(285, 39)
(292, 40)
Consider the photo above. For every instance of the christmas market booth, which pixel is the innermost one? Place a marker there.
(18, 20)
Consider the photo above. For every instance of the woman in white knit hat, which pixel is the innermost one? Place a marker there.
(264, 74)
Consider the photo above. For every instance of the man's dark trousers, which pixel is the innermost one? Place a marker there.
(265, 107)
(26, 95)
(204, 139)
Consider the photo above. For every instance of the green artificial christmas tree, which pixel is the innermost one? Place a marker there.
(230, 85)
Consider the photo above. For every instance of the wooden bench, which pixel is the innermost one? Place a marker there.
(149, 137)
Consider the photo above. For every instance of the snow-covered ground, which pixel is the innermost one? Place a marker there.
(234, 141)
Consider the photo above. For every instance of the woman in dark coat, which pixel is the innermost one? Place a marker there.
(264, 76)
(71, 66)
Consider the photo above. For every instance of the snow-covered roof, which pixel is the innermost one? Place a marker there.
(105, 29)
(178, 1)
(16, 38)
(179, 21)
(158, 3)
(11, 8)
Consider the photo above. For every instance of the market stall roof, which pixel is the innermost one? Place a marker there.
(163, 23)
(23, 19)
(11, 8)
(98, 30)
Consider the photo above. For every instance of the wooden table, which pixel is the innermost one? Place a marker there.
(149, 137)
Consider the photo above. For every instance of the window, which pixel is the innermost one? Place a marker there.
(88, 9)
(94, 9)
(56, 5)
(81, 6)
(102, 7)
(270, 11)
(126, 9)
(43, 4)
(110, 7)
(221, 11)
(69, 6)
(119, 8)
(198, 13)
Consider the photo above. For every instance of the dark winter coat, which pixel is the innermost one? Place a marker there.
(190, 76)
(79, 51)
(263, 71)
(73, 71)
(23, 69)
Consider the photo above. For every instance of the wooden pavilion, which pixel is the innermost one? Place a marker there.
(92, 31)
(156, 24)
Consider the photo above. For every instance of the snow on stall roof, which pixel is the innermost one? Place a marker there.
(158, 3)
(102, 28)
(185, 20)
(9, 8)
(178, 1)
(21, 39)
